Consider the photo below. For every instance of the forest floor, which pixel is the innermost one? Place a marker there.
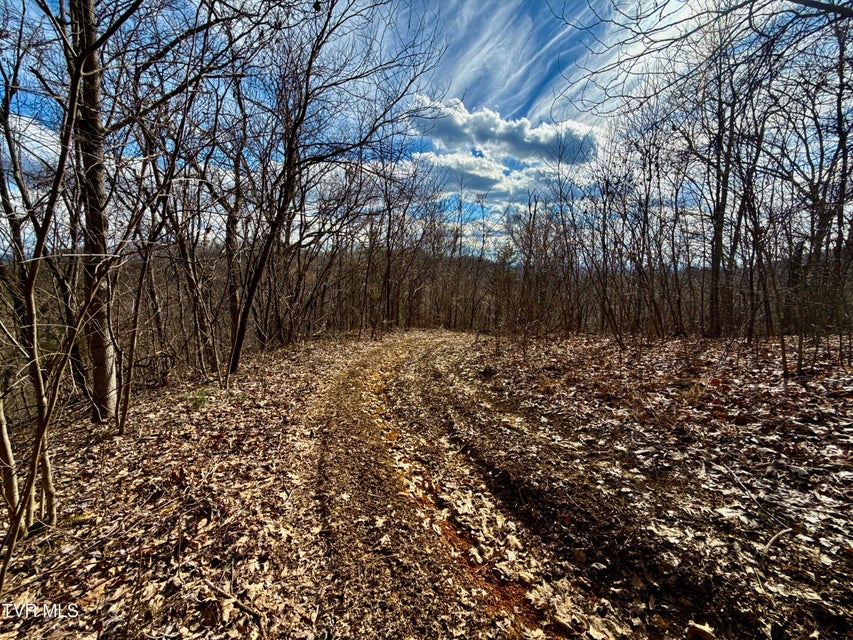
(436, 485)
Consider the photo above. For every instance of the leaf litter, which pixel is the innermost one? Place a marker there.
(434, 485)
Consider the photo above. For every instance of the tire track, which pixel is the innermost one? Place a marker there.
(390, 575)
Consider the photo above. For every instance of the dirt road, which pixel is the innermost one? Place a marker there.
(468, 512)
(401, 513)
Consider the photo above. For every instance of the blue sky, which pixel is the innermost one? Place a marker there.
(498, 87)
(507, 55)
(501, 86)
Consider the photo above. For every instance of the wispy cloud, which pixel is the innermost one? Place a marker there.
(511, 56)
(36, 145)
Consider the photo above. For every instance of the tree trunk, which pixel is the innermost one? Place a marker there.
(90, 140)
(257, 273)
(48, 491)
(7, 465)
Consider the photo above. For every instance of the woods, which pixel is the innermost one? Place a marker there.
(183, 183)
(161, 166)
(730, 173)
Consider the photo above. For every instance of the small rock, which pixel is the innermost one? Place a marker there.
(699, 631)
(513, 543)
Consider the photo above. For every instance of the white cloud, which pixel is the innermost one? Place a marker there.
(487, 132)
(465, 172)
(481, 151)
(37, 147)
(475, 175)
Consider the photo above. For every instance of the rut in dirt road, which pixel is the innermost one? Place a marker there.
(628, 549)
(397, 566)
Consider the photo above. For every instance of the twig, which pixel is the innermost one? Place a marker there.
(775, 538)
(245, 608)
(757, 572)
(763, 562)
(749, 493)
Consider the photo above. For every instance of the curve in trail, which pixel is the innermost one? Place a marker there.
(414, 545)
(446, 511)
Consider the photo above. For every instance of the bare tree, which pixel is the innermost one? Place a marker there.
(628, 43)
(54, 162)
(329, 87)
